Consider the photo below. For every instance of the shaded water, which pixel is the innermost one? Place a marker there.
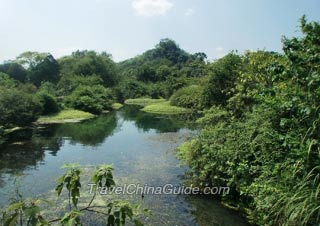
(139, 145)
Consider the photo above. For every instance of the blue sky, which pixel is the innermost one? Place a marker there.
(126, 28)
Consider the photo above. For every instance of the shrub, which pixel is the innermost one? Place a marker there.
(91, 99)
(188, 97)
(17, 108)
(49, 103)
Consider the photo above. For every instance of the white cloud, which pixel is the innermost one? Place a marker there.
(151, 8)
(189, 12)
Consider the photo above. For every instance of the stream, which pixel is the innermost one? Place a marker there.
(141, 148)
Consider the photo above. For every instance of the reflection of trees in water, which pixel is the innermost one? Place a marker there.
(24, 156)
(147, 121)
(16, 158)
(20, 152)
(26, 148)
(91, 132)
(47, 139)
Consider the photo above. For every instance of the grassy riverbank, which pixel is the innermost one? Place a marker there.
(144, 101)
(157, 106)
(164, 108)
(65, 116)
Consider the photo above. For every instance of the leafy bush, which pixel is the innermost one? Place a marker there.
(48, 102)
(93, 99)
(188, 97)
(17, 108)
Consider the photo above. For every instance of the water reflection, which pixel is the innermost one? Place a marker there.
(25, 148)
(92, 132)
(146, 121)
(139, 145)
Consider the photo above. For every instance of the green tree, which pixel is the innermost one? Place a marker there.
(170, 50)
(223, 74)
(41, 67)
(6, 81)
(68, 83)
(31, 59)
(45, 71)
(146, 73)
(14, 70)
(88, 63)
(259, 74)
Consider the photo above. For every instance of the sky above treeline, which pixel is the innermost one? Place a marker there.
(126, 28)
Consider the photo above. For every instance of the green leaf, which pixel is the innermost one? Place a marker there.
(11, 220)
(15, 206)
(31, 211)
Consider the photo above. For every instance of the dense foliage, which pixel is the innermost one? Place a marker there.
(188, 97)
(159, 72)
(93, 99)
(223, 74)
(17, 108)
(88, 63)
(15, 70)
(262, 140)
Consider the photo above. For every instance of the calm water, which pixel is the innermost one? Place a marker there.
(140, 147)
